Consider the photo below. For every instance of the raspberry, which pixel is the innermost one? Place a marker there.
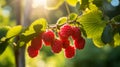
(77, 33)
(65, 31)
(70, 52)
(32, 52)
(79, 44)
(61, 36)
(56, 46)
(36, 43)
(48, 37)
(66, 43)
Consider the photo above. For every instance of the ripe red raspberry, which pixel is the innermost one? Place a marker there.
(56, 46)
(36, 43)
(48, 37)
(70, 52)
(65, 31)
(77, 33)
(61, 36)
(32, 52)
(79, 44)
(66, 43)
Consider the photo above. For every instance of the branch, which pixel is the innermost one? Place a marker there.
(20, 52)
(58, 25)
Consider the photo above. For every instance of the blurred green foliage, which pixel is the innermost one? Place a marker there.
(7, 58)
(90, 56)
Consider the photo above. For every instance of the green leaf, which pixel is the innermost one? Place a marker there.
(3, 46)
(26, 38)
(83, 32)
(107, 35)
(38, 25)
(3, 31)
(117, 39)
(62, 20)
(16, 30)
(84, 4)
(91, 6)
(92, 23)
(98, 42)
(36, 28)
(72, 16)
(84, 1)
(72, 2)
(54, 4)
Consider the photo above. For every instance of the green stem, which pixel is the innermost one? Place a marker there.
(67, 8)
(58, 26)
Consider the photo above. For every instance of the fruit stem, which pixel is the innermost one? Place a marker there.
(58, 25)
(67, 8)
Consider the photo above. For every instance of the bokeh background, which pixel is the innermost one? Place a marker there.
(90, 56)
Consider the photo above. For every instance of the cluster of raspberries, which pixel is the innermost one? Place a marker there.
(57, 45)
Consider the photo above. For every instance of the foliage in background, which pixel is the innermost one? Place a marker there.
(93, 16)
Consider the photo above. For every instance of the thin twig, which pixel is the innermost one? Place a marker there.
(67, 8)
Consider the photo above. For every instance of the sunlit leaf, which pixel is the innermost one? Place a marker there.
(98, 42)
(72, 2)
(91, 6)
(62, 20)
(92, 23)
(24, 39)
(117, 39)
(84, 4)
(14, 31)
(72, 16)
(37, 27)
(54, 4)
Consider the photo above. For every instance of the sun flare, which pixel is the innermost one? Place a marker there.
(37, 3)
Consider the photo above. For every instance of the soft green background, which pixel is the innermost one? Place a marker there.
(90, 56)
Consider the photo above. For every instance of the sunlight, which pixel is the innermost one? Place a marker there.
(37, 3)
